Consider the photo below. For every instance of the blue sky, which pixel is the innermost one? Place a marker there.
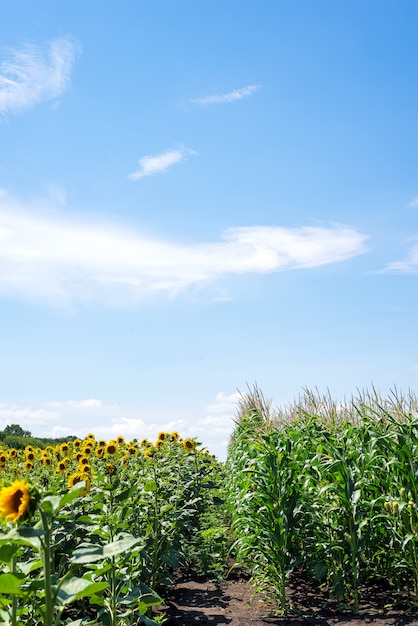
(197, 196)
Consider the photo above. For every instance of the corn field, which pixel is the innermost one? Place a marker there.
(329, 489)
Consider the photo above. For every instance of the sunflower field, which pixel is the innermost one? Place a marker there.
(93, 530)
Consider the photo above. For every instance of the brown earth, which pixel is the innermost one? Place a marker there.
(192, 600)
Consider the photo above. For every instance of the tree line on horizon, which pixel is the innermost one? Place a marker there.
(14, 436)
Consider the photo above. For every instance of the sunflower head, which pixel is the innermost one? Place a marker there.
(78, 477)
(15, 501)
(188, 444)
(110, 468)
(111, 448)
(162, 436)
(61, 467)
(121, 440)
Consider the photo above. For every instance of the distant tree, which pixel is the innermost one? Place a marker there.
(16, 430)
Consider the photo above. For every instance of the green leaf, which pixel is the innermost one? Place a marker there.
(71, 495)
(50, 504)
(122, 545)
(10, 584)
(87, 555)
(407, 539)
(97, 553)
(24, 536)
(75, 588)
(151, 485)
(7, 552)
(30, 566)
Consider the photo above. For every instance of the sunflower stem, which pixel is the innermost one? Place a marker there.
(14, 599)
(46, 562)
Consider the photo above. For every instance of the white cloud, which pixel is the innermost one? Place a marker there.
(408, 266)
(150, 165)
(77, 404)
(231, 96)
(33, 74)
(414, 203)
(65, 260)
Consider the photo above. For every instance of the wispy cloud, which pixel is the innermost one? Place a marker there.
(65, 260)
(231, 96)
(159, 163)
(33, 74)
(409, 265)
(414, 203)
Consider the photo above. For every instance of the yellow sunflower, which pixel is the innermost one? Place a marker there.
(174, 436)
(148, 453)
(28, 466)
(111, 448)
(84, 468)
(110, 468)
(61, 467)
(188, 444)
(14, 501)
(162, 436)
(78, 477)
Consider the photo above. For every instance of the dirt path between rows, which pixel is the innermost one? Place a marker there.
(194, 601)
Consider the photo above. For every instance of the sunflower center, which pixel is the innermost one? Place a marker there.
(17, 499)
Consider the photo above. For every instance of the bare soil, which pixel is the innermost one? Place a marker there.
(193, 600)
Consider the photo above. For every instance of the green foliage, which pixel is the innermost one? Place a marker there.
(330, 488)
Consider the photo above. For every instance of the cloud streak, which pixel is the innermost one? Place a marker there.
(66, 260)
(159, 163)
(409, 265)
(231, 96)
(34, 74)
